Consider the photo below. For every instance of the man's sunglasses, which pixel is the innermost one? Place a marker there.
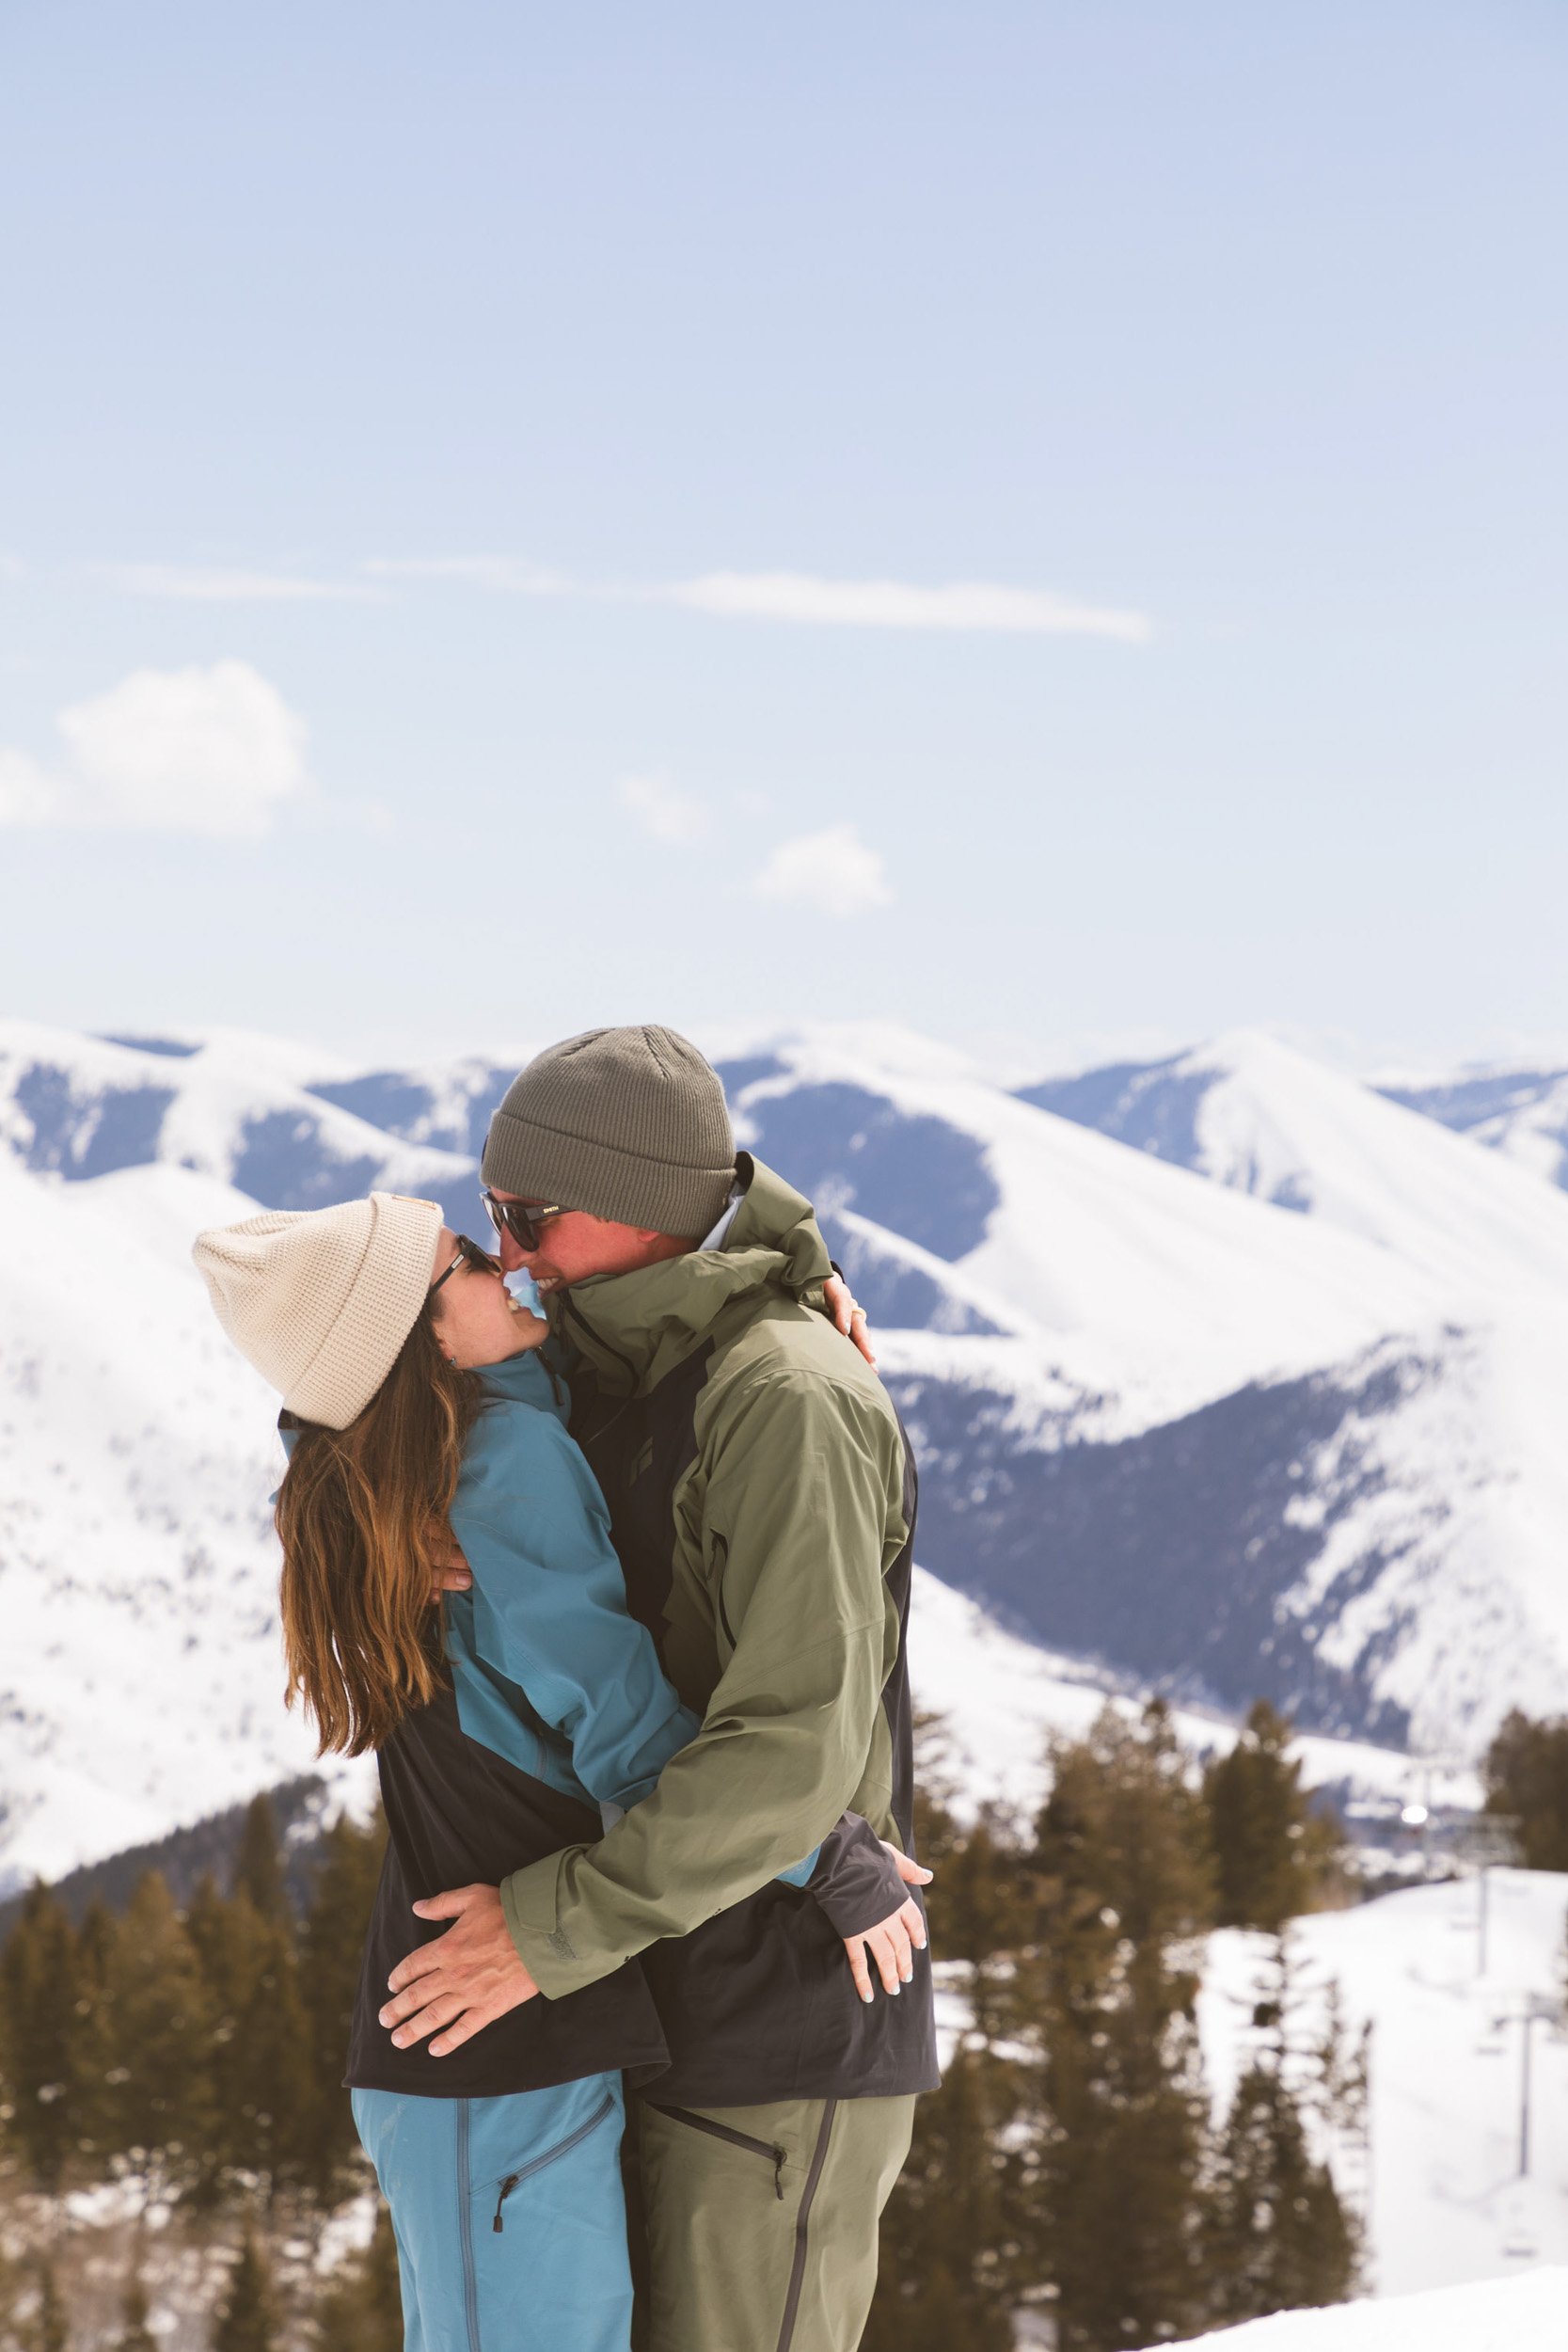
(521, 1219)
(468, 1254)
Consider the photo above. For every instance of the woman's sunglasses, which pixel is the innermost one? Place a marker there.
(468, 1254)
(522, 1219)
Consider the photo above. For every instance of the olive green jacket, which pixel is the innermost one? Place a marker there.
(757, 1481)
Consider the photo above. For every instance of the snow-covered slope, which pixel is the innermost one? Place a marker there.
(1522, 1113)
(142, 1679)
(1144, 1285)
(1444, 2198)
(998, 1698)
(1165, 1422)
(1217, 1440)
(232, 1107)
(1524, 2314)
(1254, 1114)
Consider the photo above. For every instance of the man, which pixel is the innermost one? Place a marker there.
(762, 1503)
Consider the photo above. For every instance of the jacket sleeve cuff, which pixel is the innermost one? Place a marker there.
(856, 1882)
(531, 1906)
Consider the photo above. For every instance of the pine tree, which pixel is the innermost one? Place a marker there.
(1105, 1995)
(361, 2308)
(159, 2107)
(136, 2335)
(947, 2276)
(97, 1942)
(331, 1950)
(951, 2234)
(249, 2319)
(1527, 1780)
(1278, 2236)
(258, 1863)
(1271, 1850)
(51, 2328)
(257, 2056)
(42, 2035)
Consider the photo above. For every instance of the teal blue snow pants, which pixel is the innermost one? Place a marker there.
(510, 2217)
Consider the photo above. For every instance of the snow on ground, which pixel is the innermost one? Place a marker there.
(1526, 2314)
(1446, 2204)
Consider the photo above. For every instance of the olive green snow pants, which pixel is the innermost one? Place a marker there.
(762, 2221)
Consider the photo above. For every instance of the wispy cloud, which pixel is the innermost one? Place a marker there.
(834, 871)
(212, 751)
(966, 606)
(188, 583)
(506, 575)
(663, 813)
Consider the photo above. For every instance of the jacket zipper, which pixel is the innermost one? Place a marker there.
(802, 2220)
(561, 2148)
(470, 2281)
(776, 2155)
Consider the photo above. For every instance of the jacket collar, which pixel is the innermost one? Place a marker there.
(634, 1327)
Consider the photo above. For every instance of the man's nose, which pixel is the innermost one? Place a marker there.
(513, 1259)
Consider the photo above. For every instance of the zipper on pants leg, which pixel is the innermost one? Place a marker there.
(561, 2148)
(776, 2155)
(465, 2223)
(802, 2223)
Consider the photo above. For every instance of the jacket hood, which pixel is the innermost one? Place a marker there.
(634, 1327)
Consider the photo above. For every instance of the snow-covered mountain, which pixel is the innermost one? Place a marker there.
(1523, 1113)
(1274, 1411)
(1194, 1108)
(142, 1684)
(231, 1106)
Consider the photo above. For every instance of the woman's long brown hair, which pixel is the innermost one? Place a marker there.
(359, 1512)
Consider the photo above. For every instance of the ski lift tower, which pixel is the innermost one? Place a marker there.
(1480, 1843)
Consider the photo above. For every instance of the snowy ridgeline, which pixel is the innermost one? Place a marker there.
(1526, 2315)
(142, 1684)
(1229, 1370)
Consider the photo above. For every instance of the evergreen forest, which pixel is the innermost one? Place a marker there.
(176, 2152)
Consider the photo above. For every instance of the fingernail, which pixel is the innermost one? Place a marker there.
(868, 1996)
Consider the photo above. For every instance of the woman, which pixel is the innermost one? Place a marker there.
(416, 1398)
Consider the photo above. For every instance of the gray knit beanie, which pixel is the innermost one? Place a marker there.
(629, 1124)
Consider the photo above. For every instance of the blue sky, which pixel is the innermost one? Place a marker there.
(487, 493)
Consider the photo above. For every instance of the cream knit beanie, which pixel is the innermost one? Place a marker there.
(320, 1300)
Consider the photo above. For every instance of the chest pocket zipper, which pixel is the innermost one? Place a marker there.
(777, 2156)
(561, 2148)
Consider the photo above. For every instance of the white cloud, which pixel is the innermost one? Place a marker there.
(834, 871)
(206, 751)
(508, 575)
(218, 584)
(967, 606)
(660, 810)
